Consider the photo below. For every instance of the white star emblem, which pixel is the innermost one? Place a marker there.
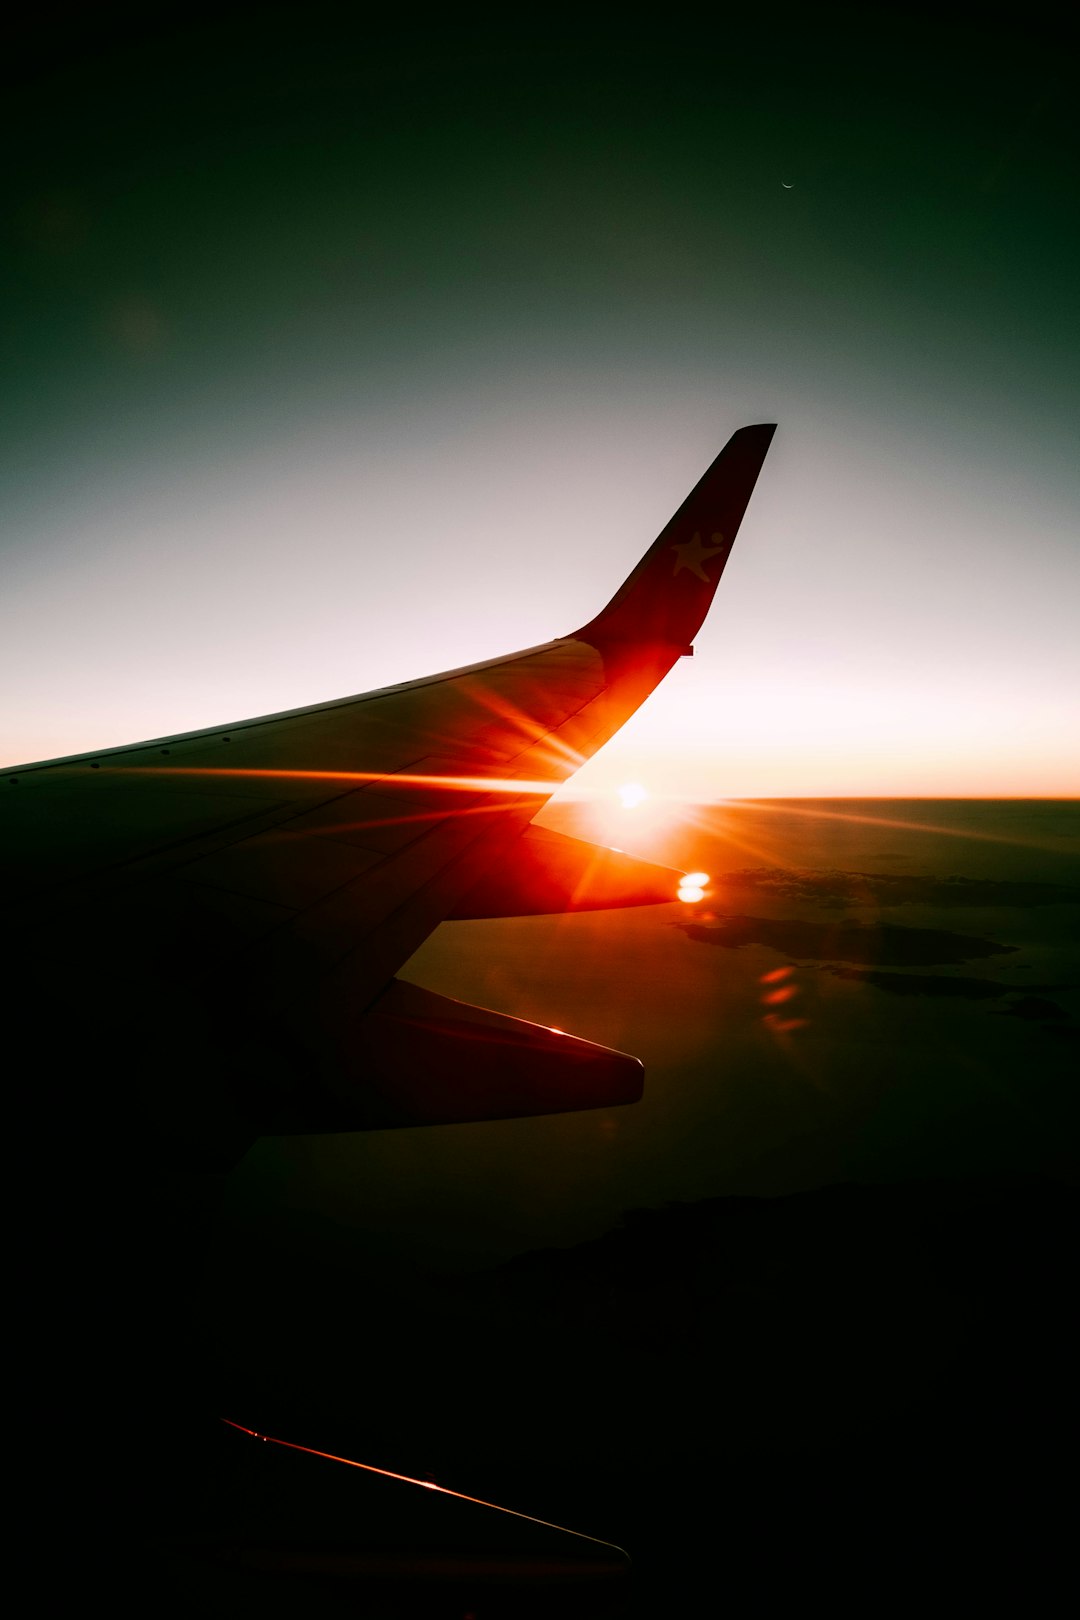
(693, 554)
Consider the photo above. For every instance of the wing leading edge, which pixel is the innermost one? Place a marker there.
(231, 904)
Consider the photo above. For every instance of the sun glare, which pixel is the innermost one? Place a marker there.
(631, 794)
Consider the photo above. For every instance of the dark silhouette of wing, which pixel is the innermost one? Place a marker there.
(226, 910)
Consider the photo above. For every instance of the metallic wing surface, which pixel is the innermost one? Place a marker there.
(217, 918)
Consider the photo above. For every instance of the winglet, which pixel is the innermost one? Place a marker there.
(667, 596)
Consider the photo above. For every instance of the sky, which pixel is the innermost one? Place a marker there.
(336, 354)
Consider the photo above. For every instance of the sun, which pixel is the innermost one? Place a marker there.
(631, 794)
(631, 815)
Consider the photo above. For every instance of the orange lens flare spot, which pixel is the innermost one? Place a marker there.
(774, 998)
(776, 974)
(784, 1026)
(631, 794)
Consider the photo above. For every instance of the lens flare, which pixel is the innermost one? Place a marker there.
(631, 794)
(692, 887)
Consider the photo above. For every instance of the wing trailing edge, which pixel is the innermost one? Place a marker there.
(547, 872)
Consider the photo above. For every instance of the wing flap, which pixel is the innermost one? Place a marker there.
(416, 1058)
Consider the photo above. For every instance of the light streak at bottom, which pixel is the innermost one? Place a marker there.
(425, 1484)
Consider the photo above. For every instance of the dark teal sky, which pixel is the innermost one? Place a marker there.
(332, 356)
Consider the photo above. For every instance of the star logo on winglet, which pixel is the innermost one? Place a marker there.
(694, 554)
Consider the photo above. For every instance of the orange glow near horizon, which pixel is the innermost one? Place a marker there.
(816, 810)
(654, 813)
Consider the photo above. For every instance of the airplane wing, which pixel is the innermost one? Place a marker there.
(221, 914)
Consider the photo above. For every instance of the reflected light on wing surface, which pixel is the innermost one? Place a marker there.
(390, 779)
